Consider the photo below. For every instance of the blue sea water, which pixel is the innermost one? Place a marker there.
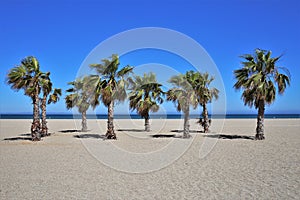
(134, 116)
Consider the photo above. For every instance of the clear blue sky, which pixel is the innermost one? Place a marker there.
(62, 33)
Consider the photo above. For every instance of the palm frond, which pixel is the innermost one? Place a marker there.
(125, 71)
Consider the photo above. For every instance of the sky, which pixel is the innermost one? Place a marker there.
(62, 34)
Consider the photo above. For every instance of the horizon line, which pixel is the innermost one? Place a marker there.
(28, 113)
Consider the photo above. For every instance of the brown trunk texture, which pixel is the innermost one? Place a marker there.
(147, 123)
(36, 126)
(186, 126)
(83, 122)
(110, 134)
(205, 119)
(260, 121)
(44, 131)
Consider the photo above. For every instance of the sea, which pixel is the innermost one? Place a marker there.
(167, 116)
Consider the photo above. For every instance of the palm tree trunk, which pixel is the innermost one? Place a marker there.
(260, 121)
(186, 126)
(83, 122)
(147, 123)
(35, 127)
(110, 134)
(205, 119)
(44, 131)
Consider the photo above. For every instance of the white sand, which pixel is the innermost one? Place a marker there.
(63, 166)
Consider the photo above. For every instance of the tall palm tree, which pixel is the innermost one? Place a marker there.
(80, 97)
(114, 83)
(26, 76)
(201, 84)
(145, 96)
(46, 86)
(258, 78)
(183, 96)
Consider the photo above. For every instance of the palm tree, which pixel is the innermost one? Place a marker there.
(183, 96)
(145, 96)
(258, 78)
(80, 97)
(113, 87)
(26, 76)
(201, 84)
(46, 86)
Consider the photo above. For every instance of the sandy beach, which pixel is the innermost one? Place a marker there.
(156, 165)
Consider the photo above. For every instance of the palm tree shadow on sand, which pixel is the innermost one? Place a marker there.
(17, 139)
(89, 135)
(162, 135)
(23, 136)
(131, 130)
(230, 137)
(191, 131)
(69, 131)
(165, 136)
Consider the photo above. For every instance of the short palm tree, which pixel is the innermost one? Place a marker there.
(26, 76)
(145, 96)
(80, 97)
(113, 87)
(258, 78)
(183, 95)
(201, 84)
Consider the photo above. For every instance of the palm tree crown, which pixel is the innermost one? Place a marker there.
(258, 78)
(206, 92)
(113, 80)
(182, 94)
(25, 76)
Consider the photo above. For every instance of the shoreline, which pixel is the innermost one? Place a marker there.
(154, 116)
